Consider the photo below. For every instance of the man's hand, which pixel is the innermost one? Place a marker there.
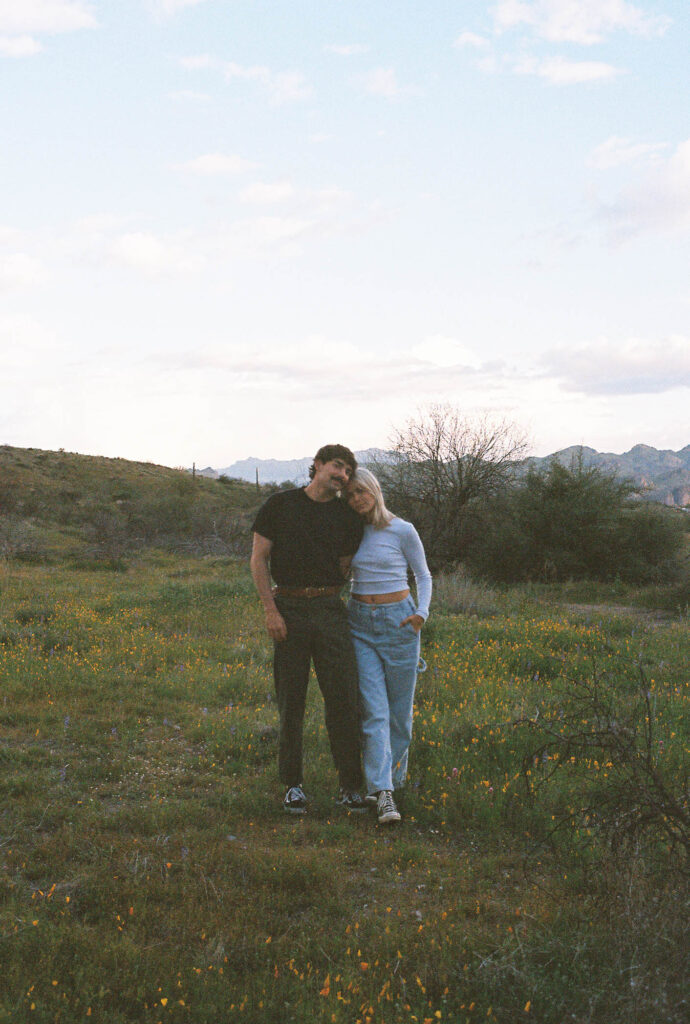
(261, 555)
(416, 621)
(275, 624)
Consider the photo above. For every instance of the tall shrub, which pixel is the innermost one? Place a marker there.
(573, 522)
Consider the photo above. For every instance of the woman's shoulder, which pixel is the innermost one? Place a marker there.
(401, 526)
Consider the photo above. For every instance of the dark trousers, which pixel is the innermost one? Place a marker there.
(318, 631)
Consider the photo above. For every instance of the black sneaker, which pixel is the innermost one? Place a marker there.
(295, 802)
(351, 800)
(386, 810)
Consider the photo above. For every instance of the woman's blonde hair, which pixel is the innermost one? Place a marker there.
(380, 516)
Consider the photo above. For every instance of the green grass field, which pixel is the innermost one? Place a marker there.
(148, 872)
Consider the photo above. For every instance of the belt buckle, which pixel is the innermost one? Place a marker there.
(313, 591)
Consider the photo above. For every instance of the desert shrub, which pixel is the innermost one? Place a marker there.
(20, 540)
(603, 748)
(573, 522)
(106, 529)
(456, 592)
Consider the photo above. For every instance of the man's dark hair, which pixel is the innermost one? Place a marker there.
(333, 451)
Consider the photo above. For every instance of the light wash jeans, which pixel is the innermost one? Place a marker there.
(387, 659)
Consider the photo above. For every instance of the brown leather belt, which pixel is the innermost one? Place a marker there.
(306, 591)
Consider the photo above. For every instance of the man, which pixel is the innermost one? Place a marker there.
(304, 539)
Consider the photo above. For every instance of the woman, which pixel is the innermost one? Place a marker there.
(385, 624)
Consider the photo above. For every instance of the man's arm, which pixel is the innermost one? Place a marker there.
(261, 574)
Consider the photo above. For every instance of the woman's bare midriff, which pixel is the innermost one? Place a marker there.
(399, 595)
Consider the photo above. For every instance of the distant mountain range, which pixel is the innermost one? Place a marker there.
(662, 476)
(274, 471)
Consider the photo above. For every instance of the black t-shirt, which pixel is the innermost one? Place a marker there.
(309, 537)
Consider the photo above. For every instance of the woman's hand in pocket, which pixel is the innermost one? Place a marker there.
(416, 621)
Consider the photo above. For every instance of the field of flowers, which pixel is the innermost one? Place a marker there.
(148, 873)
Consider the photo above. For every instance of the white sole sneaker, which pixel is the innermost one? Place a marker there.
(295, 801)
(386, 811)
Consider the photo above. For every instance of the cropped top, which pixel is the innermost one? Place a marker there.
(382, 560)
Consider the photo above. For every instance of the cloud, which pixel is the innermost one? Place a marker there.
(18, 17)
(212, 164)
(616, 151)
(556, 70)
(440, 350)
(27, 347)
(349, 50)
(277, 217)
(661, 202)
(151, 255)
(281, 86)
(101, 245)
(471, 39)
(19, 46)
(97, 223)
(260, 192)
(559, 71)
(384, 82)
(274, 232)
(577, 21)
(634, 367)
(19, 270)
(319, 369)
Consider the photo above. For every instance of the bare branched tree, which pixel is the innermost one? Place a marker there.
(443, 468)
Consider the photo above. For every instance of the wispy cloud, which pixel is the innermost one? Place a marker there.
(45, 16)
(351, 372)
(347, 50)
(617, 151)
(19, 46)
(19, 270)
(443, 351)
(471, 39)
(659, 202)
(560, 71)
(632, 367)
(152, 255)
(21, 21)
(280, 86)
(577, 21)
(291, 217)
(384, 82)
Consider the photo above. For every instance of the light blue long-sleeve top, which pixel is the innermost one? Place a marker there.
(382, 560)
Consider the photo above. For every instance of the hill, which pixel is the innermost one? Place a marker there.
(95, 506)
(662, 476)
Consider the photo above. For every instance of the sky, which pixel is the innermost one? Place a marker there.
(234, 228)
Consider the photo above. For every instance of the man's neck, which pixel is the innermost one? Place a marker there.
(318, 493)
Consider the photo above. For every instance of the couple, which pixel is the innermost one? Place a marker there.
(310, 540)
